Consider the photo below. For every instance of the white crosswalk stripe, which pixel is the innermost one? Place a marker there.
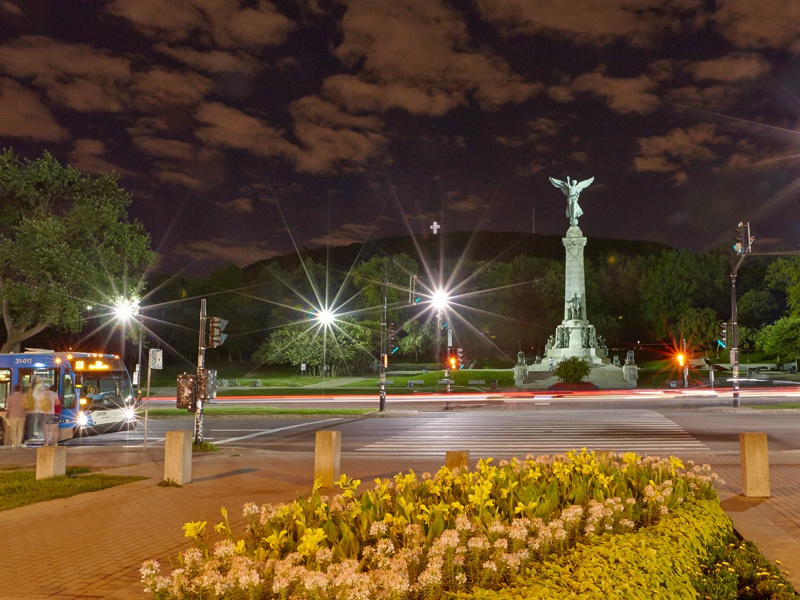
(540, 432)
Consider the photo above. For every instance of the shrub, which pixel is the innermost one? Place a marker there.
(572, 370)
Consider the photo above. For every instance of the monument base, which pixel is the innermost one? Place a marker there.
(577, 338)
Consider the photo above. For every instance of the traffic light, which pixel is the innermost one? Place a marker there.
(186, 396)
(723, 334)
(391, 338)
(215, 336)
(452, 362)
(681, 358)
(460, 357)
(738, 238)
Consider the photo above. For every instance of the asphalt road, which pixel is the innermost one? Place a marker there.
(504, 427)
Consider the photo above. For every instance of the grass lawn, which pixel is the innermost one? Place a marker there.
(20, 488)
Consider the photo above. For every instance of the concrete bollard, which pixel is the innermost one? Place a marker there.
(178, 457)
(51, 461)
(456, 459)
(327, 457)
(755, 465)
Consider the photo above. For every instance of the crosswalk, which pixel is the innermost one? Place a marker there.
(502, 435)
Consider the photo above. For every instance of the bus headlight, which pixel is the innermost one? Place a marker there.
(82, 419)
(130, 414)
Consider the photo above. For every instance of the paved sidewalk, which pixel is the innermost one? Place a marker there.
(91, 546)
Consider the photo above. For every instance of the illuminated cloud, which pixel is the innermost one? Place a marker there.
(678, 149)
(730, 69)
(760, 25)
(227, 22)
(25, 116)
(90, 156)
(597, 23)
(623, 95)
(224, 251)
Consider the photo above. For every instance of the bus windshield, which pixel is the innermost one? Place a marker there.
(107, 389)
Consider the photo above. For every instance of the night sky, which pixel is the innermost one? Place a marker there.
(246, 128)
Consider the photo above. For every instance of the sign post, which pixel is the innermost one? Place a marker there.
(156, 361)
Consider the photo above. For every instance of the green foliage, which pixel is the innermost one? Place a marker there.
(736, 569)
(572, 370)
(21, 488)
(204, 447)
(781, 339)
(658, 562)
(346, 342)
(65, 242)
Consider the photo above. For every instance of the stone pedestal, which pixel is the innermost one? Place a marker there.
(327, 457)
(51, 461)
(520, 372)
(755, 465)
(178, 457)
(576, 336)
(456, 459)
(631, 374)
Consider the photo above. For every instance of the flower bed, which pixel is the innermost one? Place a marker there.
(455, 532)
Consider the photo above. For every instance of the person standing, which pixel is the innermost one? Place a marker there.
(51, 411)
(41, 404)
(15, 404)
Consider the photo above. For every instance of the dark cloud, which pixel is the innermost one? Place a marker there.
(363, 118)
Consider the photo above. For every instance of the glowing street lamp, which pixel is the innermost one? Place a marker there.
(126, 310)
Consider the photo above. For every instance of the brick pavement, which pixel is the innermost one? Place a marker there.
(90, 547)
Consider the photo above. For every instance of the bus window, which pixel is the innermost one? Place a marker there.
(68, 392)
(5, 386)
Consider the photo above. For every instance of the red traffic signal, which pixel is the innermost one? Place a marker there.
(681, 359)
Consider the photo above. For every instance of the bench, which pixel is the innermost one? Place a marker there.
(387, 382)
(445, 382)
(477, 382)
(412, 382)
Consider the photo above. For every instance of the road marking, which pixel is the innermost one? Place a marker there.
(268, 431)
(546, 431)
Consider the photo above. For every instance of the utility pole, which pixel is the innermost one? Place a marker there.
(384, 353)
(742, 245)
(202, 377)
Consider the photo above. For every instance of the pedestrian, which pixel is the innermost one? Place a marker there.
(51, 409)
(16, 416)
(41, 403)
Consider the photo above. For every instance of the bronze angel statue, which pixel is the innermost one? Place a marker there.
(572, 189)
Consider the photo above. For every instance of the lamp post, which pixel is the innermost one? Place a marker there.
(126, 310)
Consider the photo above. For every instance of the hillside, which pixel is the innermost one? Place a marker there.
(477, 246)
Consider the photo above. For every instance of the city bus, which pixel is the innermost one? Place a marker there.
(95, 389)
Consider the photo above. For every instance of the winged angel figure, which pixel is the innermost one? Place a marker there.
(572, 189)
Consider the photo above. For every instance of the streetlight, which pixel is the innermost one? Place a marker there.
(126, 310)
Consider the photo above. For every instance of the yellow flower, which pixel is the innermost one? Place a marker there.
(194, 529)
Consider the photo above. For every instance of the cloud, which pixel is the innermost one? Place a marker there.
(332, 139)
(596, 23)
(679, 149)
(237, 205)
(349, 233)
(225, 23)
(74, 75)
(424, 63)
(227, 127)
(10, 8)
(25, 116)
(173, 149)
(730, 69)
(623, 95)
(211, 61)
(225, 251)
(159, 87)
(88, 156)
(760, 25)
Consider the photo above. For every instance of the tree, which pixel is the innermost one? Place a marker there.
(65, 242)
(346, 344)
(781, 339)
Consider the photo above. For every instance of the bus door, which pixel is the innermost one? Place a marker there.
(66, 428)
(5, 390)
(29, 379)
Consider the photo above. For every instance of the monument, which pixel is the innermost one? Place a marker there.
(575, 336)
